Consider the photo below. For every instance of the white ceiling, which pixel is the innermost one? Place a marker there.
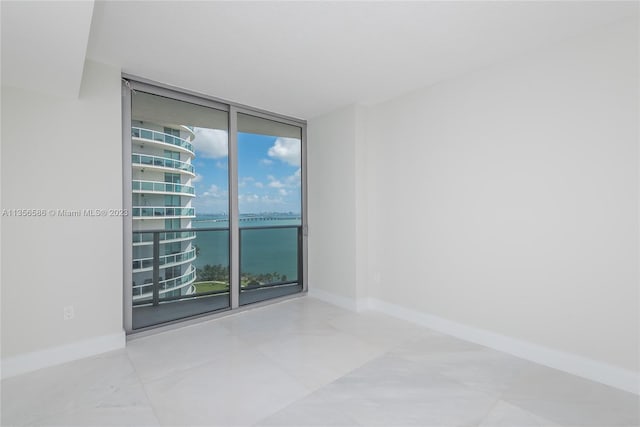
(44, 45)
(307, 58)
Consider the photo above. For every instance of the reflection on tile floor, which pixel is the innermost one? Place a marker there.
(304, 362)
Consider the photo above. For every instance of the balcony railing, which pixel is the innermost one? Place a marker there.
(163, 162)
(265, 270)
(162, 211)
(212, 279)
(140, 237)
(165, 285)
(165, 260)
(166, 138)
(162, 187)
(286, 254)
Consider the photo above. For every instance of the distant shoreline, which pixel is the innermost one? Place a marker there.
(248, 217)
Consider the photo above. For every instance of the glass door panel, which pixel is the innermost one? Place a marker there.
(180, 210)
(270, 208)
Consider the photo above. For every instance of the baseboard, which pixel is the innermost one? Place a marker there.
(338, 300)
(28, 362)
(572, 363)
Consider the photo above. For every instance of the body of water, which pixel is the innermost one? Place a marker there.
(262, 249)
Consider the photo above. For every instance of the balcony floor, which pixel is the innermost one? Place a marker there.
(304, 362)
(144, 316)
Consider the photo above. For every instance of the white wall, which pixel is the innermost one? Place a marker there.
(60, 153)
(337, 182)
(507, 199)
(332, 208)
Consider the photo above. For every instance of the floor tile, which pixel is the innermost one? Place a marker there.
(319, 355)
(570, 400)
(103, 416)
(394, 391)
(314, 410)
(307, 363)
(425, 348)
(388, 392)
(237, 389)
(378, 329)
(504, 414)
(168, 352)
(106, 384)
(482, 369)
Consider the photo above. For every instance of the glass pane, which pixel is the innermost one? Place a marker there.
(180, 182)
(269, 200)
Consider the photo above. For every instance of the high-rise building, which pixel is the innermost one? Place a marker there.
(162, 174)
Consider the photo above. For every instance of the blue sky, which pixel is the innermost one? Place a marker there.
(268, 173)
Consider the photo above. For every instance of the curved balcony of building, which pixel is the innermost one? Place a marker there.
(165, 261)
(147, 161)
(161, 139)
(145, 290)
(158, 187)
(162, 212)
(141, 238)
(190, 130)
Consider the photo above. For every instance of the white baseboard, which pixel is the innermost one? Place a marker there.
(568, 362)
(28, 362)
(338, 300)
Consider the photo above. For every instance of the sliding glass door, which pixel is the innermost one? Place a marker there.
(216, 206)
(180, 209)
(270, 206)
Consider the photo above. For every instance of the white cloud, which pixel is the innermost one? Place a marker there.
(214, 191)
(259, 185)
(210, 143)
(283, 192)
(266, 162)
(274, 200)
(287, 150)
(198, 178)
(254, 198)
(242, 182)
(291, 181)
(248, 198)
(214, 200)
(294, 180)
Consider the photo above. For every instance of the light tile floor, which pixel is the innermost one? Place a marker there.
(304, 362)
